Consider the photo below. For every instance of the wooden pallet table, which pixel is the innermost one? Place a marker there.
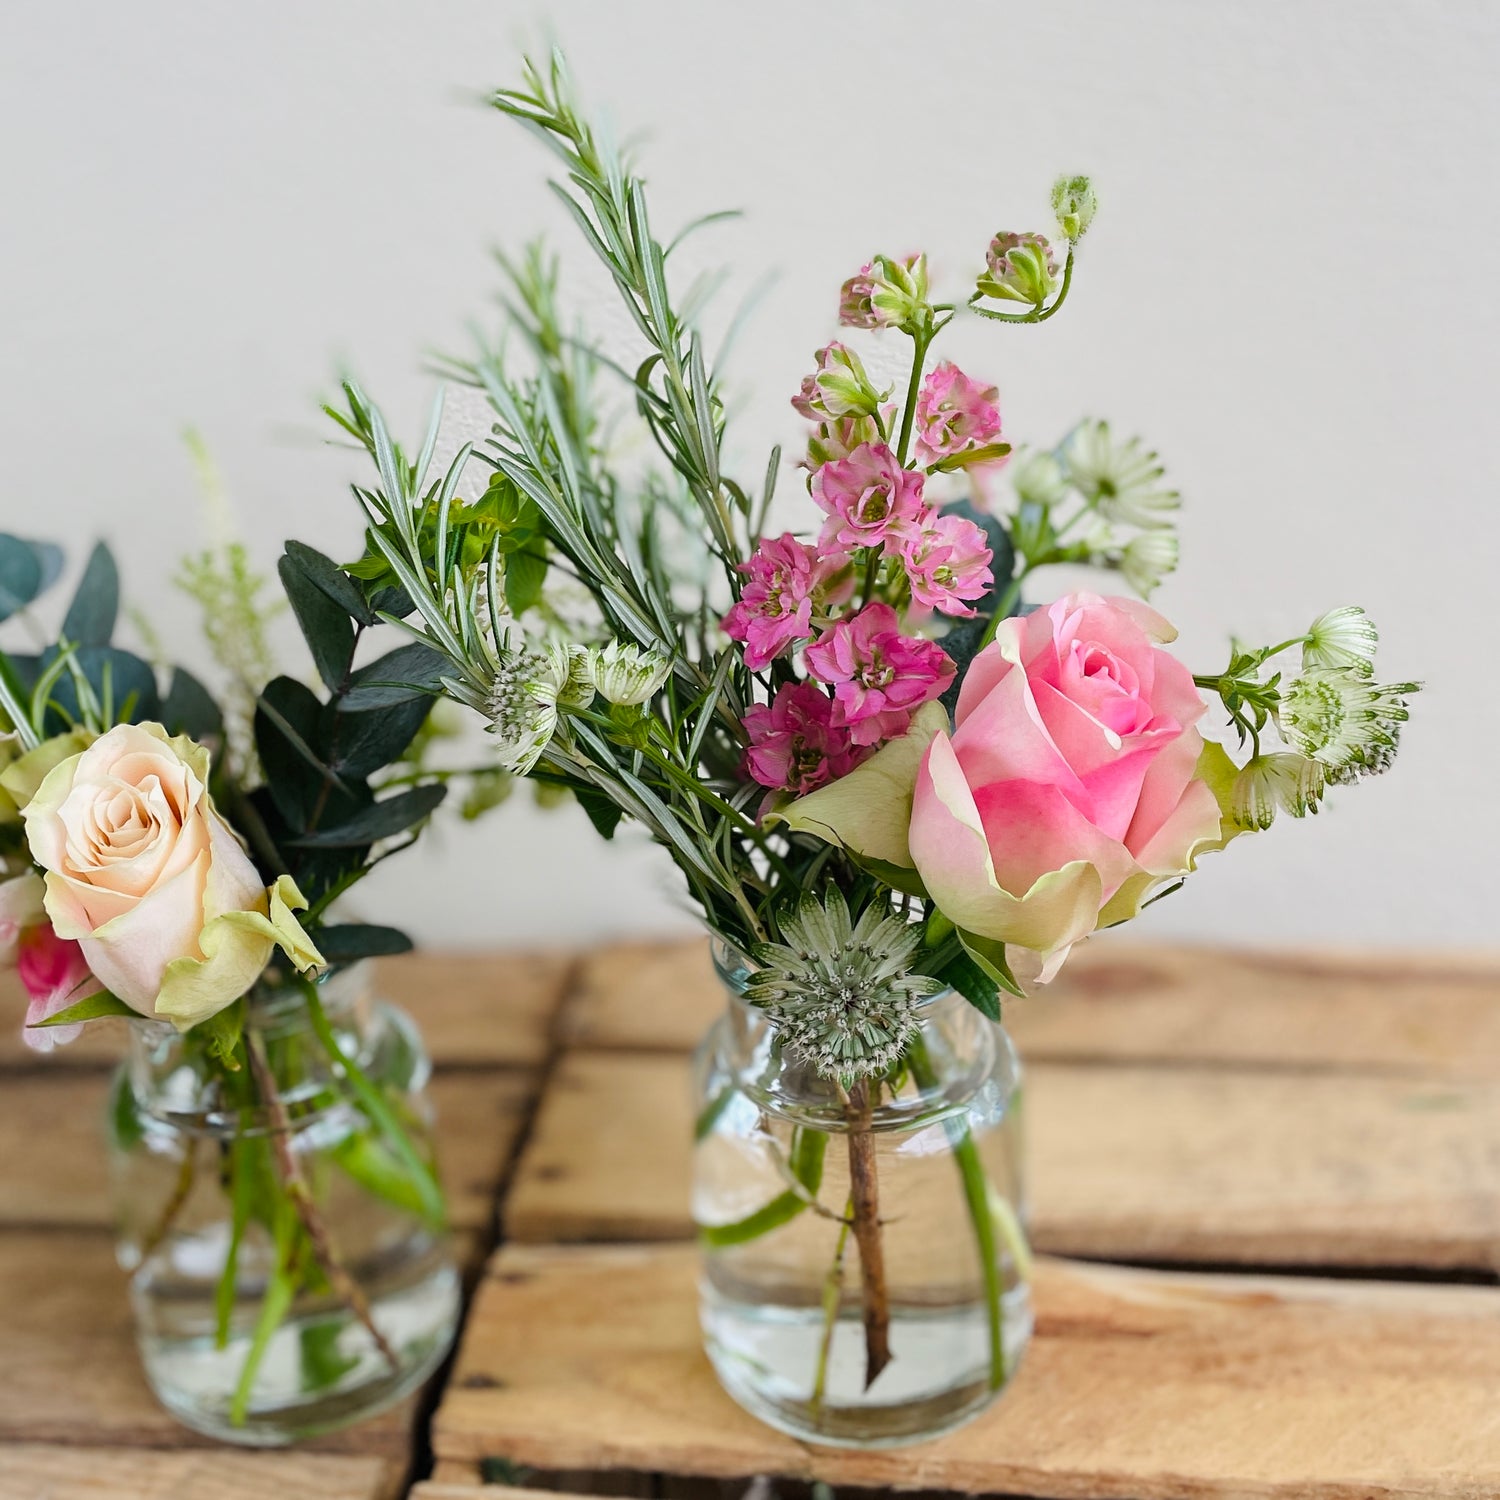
(1209, 1122)
(76, 1418)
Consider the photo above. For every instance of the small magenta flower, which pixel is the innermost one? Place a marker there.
(870, 500)
(948, 564)
(794, 744)
(885, 293)
(839, 387)
(954, 413)
(879, 676)
(1022, 268)
(774, 610)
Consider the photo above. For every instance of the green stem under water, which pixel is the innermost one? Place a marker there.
(806, 1162)
(977, 1197)
(375, 1105)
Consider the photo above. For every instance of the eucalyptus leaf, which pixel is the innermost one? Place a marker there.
(91, 616)
(408, 672)
(189, 708)
(120, 677)
(326, 626)
(20, 574)
(330, 579)
(359, 744)
(349, 941)
(380, 820)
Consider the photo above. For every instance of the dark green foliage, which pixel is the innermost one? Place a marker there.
(320, 815)
(123, 683)
(409, 672)
(346, 942)
(326, 626)
(380, 820)
(189, 709)
(91, 616)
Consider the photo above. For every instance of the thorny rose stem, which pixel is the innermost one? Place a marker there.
(864, 1193)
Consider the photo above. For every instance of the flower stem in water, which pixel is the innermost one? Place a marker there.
(864, 1192)
(977, 1198)
(833, 1296)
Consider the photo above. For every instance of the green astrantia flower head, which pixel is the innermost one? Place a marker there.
(1339, 717)
(841, 993)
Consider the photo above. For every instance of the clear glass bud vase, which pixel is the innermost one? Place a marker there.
(938, 1263)
(279, 1215)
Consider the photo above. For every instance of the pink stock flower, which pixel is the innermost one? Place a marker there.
(787, 578)
(839, 387)
(954, 413)
(948, 563)
(55, 975)
(1069, 789)
(794, 744)
(884, 293)
(879, 676)
(856, 307)
(869, 498)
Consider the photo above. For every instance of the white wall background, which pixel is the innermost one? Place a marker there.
(1290, 290)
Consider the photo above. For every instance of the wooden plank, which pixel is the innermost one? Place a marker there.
(1139, 1163)
(1139, 1384)
(30, 1471)
(1118, 1000)
(481, 1009)
(475, 1010)
(71, 1374)
(610, 1152)
(53, 1168)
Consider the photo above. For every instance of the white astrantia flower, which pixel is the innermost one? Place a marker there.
(522, 707)
(626, 675)
(841, 994)
(1147, 558)
(1343, 638)
(566, 676)
(1121, 479)
(1038, 479)
(1344, 721)
(1279, 782)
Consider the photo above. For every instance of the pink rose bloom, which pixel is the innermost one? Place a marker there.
(774, 611)
(954, 413)
(1068, 788)
(794, 745)
(869, 499)
(948, 563)
(55, 975)
(879, 676)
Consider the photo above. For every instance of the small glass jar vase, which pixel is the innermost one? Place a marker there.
(279, 1214)
(803, 1301)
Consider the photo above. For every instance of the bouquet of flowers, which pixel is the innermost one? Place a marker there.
(176, 862)
(881, 772)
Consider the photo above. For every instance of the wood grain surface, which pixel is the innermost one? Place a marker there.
(1139, 1384)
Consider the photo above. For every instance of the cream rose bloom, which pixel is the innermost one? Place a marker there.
(143, 872)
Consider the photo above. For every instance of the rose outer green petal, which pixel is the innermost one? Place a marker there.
(868, 812)
(236, 946)
(22, 778)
